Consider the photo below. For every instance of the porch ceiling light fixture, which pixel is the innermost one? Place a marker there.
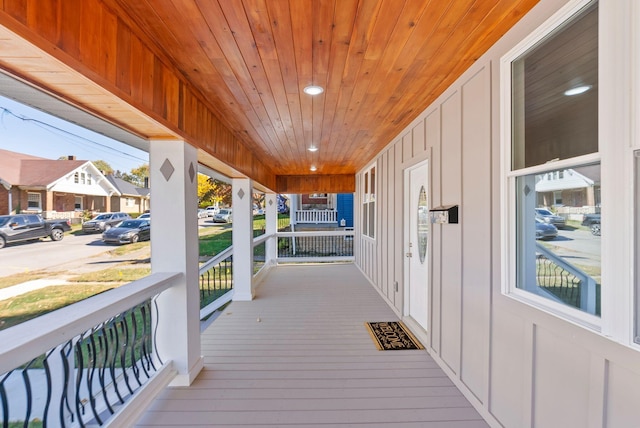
(313, 90)
(313, 149)
(577, 90)
(313, 168)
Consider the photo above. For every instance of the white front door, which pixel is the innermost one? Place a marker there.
(417, 242)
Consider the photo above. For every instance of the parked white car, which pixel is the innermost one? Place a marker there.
(225, 215)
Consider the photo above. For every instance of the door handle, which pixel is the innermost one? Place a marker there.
(409, 255)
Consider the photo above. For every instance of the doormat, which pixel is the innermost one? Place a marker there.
(392, 335)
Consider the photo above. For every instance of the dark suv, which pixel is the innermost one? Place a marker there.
(103, 222)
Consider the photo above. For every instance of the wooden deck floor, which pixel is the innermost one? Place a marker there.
(299, 355)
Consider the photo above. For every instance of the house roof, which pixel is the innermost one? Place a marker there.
(10, 165)
(19, 169)
(126, 188)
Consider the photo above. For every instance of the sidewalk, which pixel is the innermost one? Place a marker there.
(60, 274)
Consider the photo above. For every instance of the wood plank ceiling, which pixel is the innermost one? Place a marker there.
(380, 62)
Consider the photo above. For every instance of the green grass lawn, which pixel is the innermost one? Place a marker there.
(30, 305)
(38, 302)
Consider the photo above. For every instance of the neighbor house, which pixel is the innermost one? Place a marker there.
(131, 198)
(61, 188)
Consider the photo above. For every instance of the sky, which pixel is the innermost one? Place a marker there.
(27, 130)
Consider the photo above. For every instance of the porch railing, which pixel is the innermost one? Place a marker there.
(216, 283)
(563, 282)
(81, 364)
(315, 246)
(316, 216)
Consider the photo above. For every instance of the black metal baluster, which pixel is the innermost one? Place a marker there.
(115, 338)
(65, 352)
(79, 376)
(91, 348)
(123, 353)
(102, 368)
(47, 375)
(155, 331)
(27, 387)
(132, 348)
(141, 345)
(5, 400)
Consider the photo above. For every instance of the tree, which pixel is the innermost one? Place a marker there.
(212, 191)
(103, 166)
(140, 174)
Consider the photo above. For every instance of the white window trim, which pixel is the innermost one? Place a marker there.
(368, 198)
(507, 182)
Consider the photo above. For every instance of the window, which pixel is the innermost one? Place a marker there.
(89, 179)
(76, 177)
(369, 202)
(129, 202)
(83, 178)
(553, 178)
(78, 203)
(33, 201)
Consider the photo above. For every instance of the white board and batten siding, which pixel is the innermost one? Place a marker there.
(520, 366)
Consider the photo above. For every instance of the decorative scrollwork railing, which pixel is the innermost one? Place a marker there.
(79, 371)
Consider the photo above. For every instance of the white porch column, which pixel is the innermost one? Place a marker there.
(174, 248)
(242, 238)
(271, 221)
(293, 207)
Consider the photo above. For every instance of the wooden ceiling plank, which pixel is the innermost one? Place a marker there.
(236, 39)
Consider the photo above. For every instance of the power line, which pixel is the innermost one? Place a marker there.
(51, 128)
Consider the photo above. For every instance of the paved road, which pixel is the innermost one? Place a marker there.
(47, 254)
(77, 253)
(577, 246)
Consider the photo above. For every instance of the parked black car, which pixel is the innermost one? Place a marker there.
(129, 231)
(592, 220)
(25, 227)
(103, 222)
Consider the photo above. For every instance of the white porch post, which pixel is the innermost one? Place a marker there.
(271, 221)
(293, 207)
(242, 238)
(174, 248)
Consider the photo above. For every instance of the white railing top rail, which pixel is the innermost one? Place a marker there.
(262, 238)
(318, 233)
(32, 338)
(212, 262)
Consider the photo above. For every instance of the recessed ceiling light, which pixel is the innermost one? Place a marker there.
(313, 168)
(577, 90)
(313, 149)
(313, 90)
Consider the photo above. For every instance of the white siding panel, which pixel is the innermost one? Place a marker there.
(561, 382)
(623, 397)
(390, 220)
(451, 233)
(398, 255)
(508, 366)
(382, 236)
(407, 147)
(476, 235)
(432, 137)
(418, 138)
